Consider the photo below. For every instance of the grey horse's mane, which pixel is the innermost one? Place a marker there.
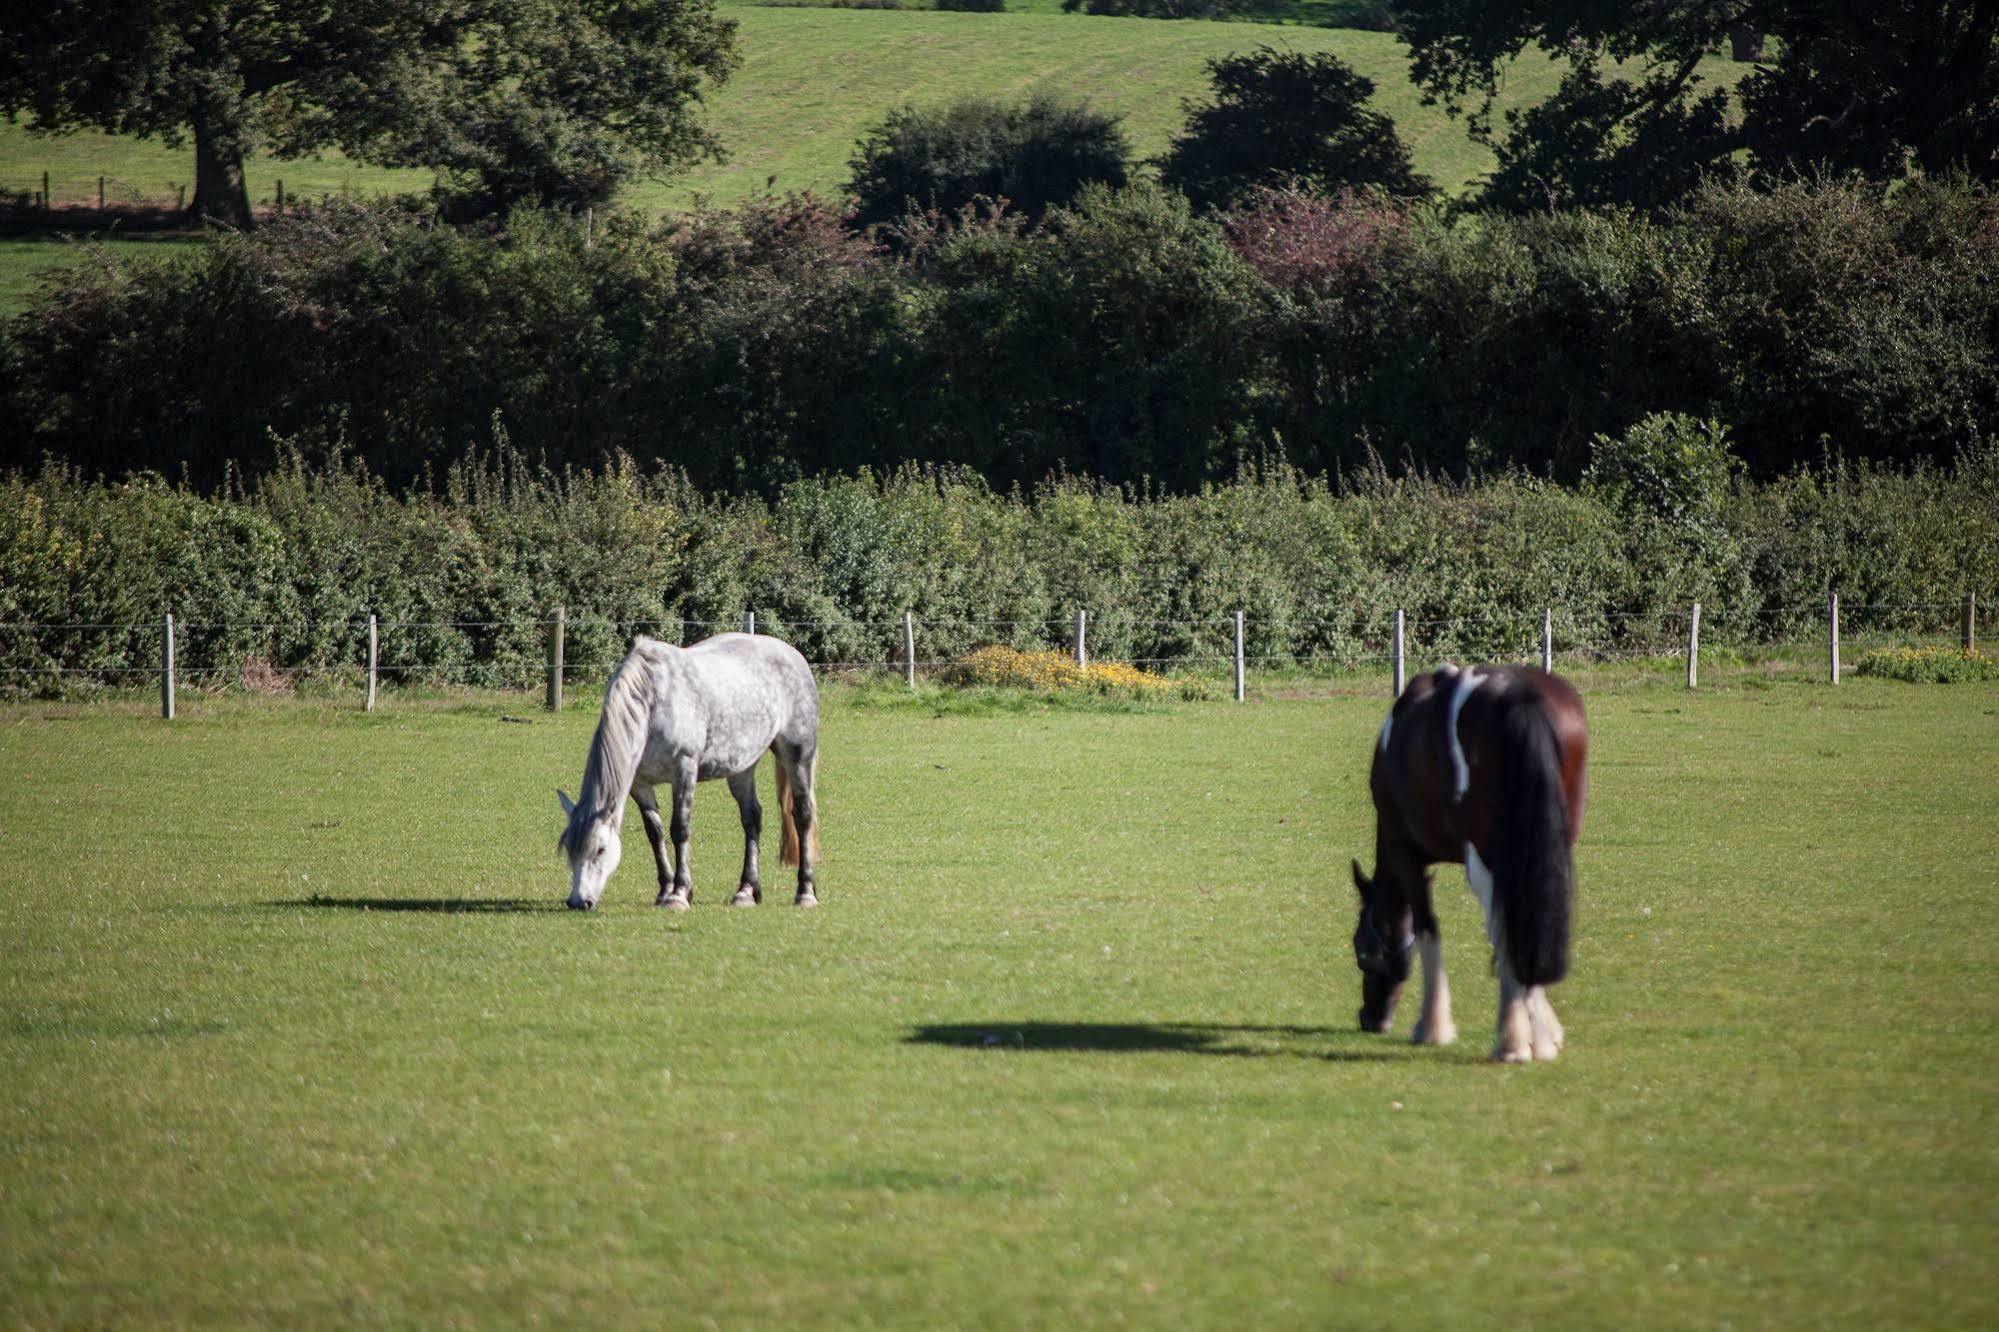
(620, 740)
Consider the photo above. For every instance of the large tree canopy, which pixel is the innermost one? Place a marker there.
(555, 99)
(1875, 88)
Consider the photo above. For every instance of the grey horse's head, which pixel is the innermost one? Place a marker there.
(592, 843)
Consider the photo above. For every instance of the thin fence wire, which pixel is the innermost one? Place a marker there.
(80, 657)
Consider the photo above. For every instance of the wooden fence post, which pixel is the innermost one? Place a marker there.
(374, 659)
(1971, 622)
(909, 648)
(1833, 615)
(555, 636)
(1082, 648)
(48, 201)
(1694, 648)
(280, 202)
(1399, 659)
(167, 669)
(100, 194)
(181, 189)
(1238, 656)
(1548, 639)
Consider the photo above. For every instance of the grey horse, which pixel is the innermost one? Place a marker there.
(678, 716)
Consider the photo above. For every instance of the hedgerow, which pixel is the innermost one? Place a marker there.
(281, 571)
(1125, 338)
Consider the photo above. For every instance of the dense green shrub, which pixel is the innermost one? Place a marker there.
(1126, 337)
(1120, 339)
(279, 575)
(1035, 155)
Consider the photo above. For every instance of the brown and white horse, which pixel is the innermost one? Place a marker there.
(1482, 767)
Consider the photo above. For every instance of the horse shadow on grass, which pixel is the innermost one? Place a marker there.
(435, 906)
(1338, 1045)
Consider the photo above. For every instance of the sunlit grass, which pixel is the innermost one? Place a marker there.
(293, 1029)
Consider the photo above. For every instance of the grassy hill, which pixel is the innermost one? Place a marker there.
(812, 81)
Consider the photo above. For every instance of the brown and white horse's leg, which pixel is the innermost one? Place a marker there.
(1548, 1033)
(1514, 1041)
(743, 786)
(648, 803)
(1434, 1027)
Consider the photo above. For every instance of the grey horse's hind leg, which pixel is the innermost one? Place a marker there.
(743, 786)
(648, 803)
(801, 765)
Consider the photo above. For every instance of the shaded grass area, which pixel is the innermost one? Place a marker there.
(23, 259)
(291, 1029)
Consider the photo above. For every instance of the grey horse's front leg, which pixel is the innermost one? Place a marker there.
(743, 786)
(648, 803)
(682, 893)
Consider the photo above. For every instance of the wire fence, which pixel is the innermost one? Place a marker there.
(554, 652)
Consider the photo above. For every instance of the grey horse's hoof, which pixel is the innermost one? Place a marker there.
(746, 896)
(672, 902)
(806, 900)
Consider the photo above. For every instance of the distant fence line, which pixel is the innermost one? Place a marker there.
(107, 190)
(44, 659)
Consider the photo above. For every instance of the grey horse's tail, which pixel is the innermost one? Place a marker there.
(787, 852)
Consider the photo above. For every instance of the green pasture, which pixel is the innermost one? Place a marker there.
(293, 1029)
(812, 82)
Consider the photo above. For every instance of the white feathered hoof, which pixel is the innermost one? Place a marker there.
(672, 902)
(1442, 1034)
(745, 896)
(806, 899)
(1502, 1055)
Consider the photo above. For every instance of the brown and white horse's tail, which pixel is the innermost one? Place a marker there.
(787, 852)
(1533, 874)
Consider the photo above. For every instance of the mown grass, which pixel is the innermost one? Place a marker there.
(812, 82)
(293, 1029)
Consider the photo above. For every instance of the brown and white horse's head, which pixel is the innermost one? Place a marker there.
(1382, 940)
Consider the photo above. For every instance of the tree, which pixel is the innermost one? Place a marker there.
(1872, 88)
(512, 96)
(1285, 117)
(1035, 154)
(1595, 142)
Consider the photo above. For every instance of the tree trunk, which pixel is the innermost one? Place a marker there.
(1745, 43)
(219, 192)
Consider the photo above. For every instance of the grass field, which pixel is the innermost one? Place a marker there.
(295, 1030)
(812, 82)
